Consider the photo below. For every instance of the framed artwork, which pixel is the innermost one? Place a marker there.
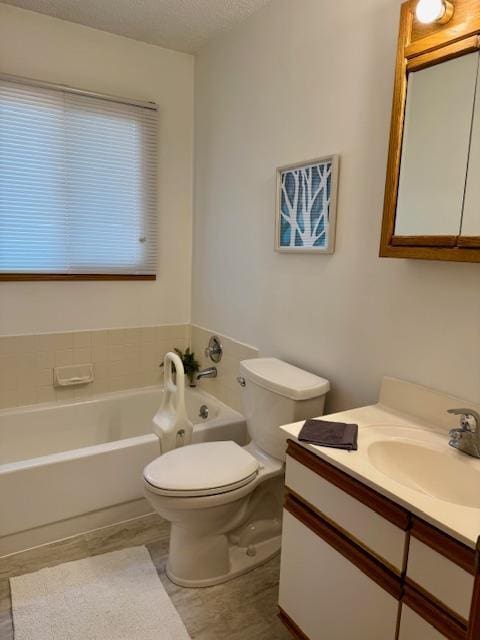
(306, 206)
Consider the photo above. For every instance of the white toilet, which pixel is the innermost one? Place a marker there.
(225, 501)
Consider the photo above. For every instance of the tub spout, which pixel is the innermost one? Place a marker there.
(210, 372)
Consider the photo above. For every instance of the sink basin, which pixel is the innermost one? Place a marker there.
(438, 472)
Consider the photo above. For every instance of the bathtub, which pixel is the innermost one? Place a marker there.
(60, 463)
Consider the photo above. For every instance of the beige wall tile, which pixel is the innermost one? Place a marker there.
(122, 359)
(64, 394)
(81, 339)
(82, 392)
(116, 336)
(27, 395)
(44, 342)
(8, 397)
(44, 378)
(149, 334)
(45, 359)
(8, 372)
(100, 353)
(116, 352)
(99, 338)
(63, 341)
(82, 356)
(225, 386)
(63, 357)
(46, 394)
(101, 370)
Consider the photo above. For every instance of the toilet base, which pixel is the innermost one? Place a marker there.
(241, 560)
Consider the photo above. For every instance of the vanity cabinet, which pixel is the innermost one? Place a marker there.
(355, 564)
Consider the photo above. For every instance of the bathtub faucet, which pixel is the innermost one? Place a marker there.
(209, 372)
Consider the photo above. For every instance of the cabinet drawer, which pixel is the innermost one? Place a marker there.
(441, 567)
(419, 611)
(372, 530)
(444, 580)
(414, 627)
(324, 595)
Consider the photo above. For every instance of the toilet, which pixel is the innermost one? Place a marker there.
(224, 501)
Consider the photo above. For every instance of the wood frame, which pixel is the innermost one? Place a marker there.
(421, 46)
(42, 277)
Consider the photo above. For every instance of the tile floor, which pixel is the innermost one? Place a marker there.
(243, 609)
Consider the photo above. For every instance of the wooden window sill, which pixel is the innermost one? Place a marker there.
(11, 277)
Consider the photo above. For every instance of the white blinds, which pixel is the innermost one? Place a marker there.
(77, 183)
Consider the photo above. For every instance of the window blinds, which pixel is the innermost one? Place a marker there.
(77, 183)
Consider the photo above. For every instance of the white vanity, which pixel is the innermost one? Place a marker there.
(381, 543)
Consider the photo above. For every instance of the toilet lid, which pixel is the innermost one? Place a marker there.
(201, 470)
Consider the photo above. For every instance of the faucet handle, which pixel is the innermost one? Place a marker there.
(469, 420)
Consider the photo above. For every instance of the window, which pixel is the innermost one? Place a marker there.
(77, 184)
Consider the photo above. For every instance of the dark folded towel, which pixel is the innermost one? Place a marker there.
(330, 434)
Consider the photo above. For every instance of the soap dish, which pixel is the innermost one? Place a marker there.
(73, 375)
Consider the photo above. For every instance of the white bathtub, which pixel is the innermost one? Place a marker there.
(61, 462)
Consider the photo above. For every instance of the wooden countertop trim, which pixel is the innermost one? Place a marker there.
(370, 566)
(385, 507)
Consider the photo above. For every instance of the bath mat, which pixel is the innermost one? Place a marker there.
(115, 596)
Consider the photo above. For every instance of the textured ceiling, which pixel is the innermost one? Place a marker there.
(184, 25)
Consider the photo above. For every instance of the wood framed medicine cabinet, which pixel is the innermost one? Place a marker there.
(432, 193)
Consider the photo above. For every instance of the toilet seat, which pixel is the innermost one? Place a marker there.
(206, 469)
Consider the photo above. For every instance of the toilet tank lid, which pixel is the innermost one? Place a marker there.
(283, 378)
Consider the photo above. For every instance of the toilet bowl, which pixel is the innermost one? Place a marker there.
(224, 501)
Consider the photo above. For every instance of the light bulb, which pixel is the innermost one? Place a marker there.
(429, 11)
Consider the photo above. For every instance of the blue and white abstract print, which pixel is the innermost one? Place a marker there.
(305, 202)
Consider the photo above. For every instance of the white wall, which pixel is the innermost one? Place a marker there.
(299, 80)
(38, 46)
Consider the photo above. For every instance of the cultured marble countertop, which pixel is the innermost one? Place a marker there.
(461, 522)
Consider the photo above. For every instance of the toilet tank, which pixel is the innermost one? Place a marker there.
(276, 393)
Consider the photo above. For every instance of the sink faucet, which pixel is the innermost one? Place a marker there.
(467, 437)
(209, 372)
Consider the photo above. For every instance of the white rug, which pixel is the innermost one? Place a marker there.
(115, 596)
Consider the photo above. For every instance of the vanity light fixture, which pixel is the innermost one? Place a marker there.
(429, 11)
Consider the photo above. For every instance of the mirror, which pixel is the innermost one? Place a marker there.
(436, 139)
(432, 193)
(471, 210)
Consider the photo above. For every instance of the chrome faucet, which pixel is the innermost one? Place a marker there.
(467, 437)
(209, 372)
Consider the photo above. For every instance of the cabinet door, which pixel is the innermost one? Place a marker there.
(325, 595)
(471, 212)
(413, 627)
(435, 148)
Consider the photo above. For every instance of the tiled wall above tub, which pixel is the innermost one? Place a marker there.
(122, 359)
(225, 387)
